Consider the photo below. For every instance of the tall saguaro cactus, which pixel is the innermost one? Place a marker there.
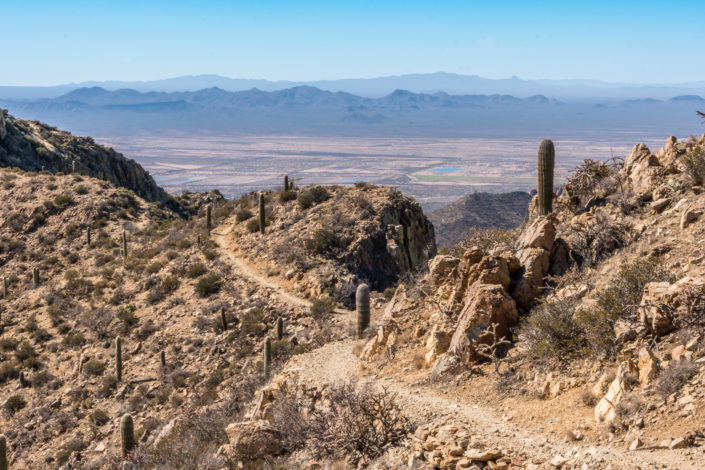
(261, 213)
(118, 359)
(124, 245)
(224, 319)
(35, 276)
(362, 304)
(280, 328)
(209, 218)
(267, 356)
(88, 237)
(286, 182)
(3, 452)
(546, 162)
(127, 434)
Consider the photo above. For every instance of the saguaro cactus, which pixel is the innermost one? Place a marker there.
(546, 161)
(35, 276)
(267, 355)
(286, 182)
(124, 244)
(88, 236)
(261, 213)
(127, 434)
(73, 166)
(162, 358)
(362, 304)
(118, 359)
(3, 452)
(280, 328)
(209, 218)
(224, 319)
(4, 287)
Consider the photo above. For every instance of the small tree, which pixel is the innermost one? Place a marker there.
(493, 350)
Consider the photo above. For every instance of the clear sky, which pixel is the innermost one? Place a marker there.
(47, 42)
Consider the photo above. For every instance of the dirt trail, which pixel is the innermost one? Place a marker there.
(335, 362)
(244, 270)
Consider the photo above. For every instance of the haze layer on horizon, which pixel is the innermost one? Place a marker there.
(76, 41)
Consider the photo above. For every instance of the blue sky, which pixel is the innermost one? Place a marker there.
(52, 42)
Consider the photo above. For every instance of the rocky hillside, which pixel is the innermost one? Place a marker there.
(479, 210)
(327, 240)
(33, 146)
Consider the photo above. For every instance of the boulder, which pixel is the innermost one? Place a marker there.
(648, 366)
(437, 343)
(688, 216)
(251, 440)
(605, 410)
(642, 171)
(441, 268)
(534, 256)
(487, 304)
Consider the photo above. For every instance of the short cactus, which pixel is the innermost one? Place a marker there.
(3, 452)
(546, 161)
(261, 213)
(362, 304)
(223, 319)
(88, 236)
(162, 358)
(286, 182)
(267, 356)
(24, 383)
(209, 218)
(35, 276)
(280, 328)
(118, 358)
(124, 244)
(127, 434)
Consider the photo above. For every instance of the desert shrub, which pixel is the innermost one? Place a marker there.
(99, 417)
(8, 371)
(252, 321)
(389, 292)
(62, 201)
(94, 367)
(323, 241)
(107, 385)
(597, 237)
(691, 311)
(162, 288)
(73, 445)
(551, 330)
(24, 351)
(321, 308)
(311, 196)
(588, 398)
(196, 269)
(671, 379)
(243, 213)
(15, 403)
(72, 230)
(208, 284)
(588, 179)
(624, 292)
(74, 340)
(694, 163)
(126, 314)
(98, 321)
(146, 330)
(80, 189)
(486, 239)
(77, 285)
(252, 225)
(631, 404)
(286, 196)
(359, 424)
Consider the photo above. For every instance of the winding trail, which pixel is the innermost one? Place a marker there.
(336, 362)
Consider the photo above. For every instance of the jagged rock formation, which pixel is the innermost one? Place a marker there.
(33, 146)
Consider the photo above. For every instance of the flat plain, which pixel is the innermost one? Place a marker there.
(435, 171)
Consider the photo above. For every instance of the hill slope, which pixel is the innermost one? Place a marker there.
(480, 210)
(33, 146)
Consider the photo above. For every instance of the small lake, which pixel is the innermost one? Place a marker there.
(445, 170)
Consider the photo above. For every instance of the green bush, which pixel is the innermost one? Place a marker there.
(694, 162)
(252, 225)
(311, 196)
(15, 403)
(551, 330)
(243, 213)
(196, 269)
(94, 367)
(126, 314)
(208, 284)
(286, 196)
(62, 201)
(321, 308)
(323, 241)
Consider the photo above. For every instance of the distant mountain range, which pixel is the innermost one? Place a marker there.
(430, 83)
(305, 110)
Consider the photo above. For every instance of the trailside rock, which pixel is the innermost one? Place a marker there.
(534, 255)
(252, 440)
(605, 410)
(642, 171)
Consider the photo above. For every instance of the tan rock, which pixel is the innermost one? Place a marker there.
(437, 343)
(642, 171)
(659, 205)
(253, 439)
(540, 234)
(605, 409)
(678, 443)
(648, 366)
(483, 455)
(688, 216)
(677, 352)
(441, 268)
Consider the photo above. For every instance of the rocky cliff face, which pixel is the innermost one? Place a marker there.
(33, 146)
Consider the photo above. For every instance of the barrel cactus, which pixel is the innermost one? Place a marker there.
(118, 358)
(261, 213)
(362, 304)
(267, 355)
(546, 161)
(127, 433)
